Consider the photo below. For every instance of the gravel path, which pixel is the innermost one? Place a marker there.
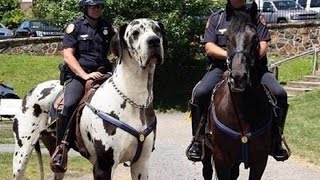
(168, 161)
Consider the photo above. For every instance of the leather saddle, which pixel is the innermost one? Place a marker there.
(73, 128)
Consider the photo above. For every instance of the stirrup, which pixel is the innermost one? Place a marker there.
(59, 159)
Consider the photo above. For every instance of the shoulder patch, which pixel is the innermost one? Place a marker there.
(262, 20)
(70, 28)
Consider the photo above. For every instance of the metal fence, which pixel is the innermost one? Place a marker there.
(274, 66)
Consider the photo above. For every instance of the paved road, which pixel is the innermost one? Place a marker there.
(168, 161)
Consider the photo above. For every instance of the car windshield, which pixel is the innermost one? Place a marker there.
(286, 5)
(40, 25)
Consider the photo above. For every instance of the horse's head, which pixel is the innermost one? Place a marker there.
(242, 49)
(142, 39)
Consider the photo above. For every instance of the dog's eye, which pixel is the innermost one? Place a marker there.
(135, 34)
(157, 30)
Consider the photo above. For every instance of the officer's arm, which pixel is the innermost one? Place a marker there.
(71, 61)
(215, 51)
(263, 48)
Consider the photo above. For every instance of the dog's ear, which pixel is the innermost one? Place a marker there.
(117, 43)
(164, 36)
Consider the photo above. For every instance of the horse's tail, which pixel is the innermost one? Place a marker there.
(39, 155)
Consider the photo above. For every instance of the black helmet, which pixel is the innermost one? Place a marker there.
(83, 3)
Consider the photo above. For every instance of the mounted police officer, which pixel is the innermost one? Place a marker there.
(215, 47)
(85, 47)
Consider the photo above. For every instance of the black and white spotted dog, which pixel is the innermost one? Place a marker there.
(127, 96)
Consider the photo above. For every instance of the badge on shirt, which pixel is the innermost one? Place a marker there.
(84, 36)
(262, 20)
(105, 32)
(222, 31)
(70, 28)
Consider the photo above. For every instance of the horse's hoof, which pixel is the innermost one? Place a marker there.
(281, 155)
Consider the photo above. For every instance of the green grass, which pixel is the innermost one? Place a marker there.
(6, 136)
(302, 126)
(77, 167)
(294, 70)
(23, 72)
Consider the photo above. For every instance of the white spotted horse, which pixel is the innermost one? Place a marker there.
(118, 123)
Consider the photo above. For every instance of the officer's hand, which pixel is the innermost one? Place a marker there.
(93, 75)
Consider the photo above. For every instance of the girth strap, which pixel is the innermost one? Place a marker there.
(124, 126)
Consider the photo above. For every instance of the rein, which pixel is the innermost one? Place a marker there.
(127, 99)
(140, 136)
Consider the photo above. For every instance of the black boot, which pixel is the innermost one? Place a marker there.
(279, 153)
(195, 149)
(59, 157)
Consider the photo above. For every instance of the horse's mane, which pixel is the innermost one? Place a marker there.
(238, 21)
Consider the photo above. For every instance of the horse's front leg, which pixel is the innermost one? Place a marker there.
(257, 169)
(103, 169)
(207, 169)
(235, 171)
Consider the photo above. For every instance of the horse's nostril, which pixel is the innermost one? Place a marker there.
(154, 41)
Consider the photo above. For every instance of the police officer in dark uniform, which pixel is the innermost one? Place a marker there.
(215, 45)
(85, 48)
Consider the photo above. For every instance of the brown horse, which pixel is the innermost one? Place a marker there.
(240, 112)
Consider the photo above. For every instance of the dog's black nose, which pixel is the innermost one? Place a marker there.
(153, 41)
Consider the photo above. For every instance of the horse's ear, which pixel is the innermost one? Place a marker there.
(117, 43)
(229, 11)
(254, 11)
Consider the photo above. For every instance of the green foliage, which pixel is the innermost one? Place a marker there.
(10, 13)
(184, 22)
(60, 12)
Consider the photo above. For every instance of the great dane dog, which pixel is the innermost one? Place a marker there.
(118, 123)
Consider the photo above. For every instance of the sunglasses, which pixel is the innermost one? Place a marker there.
(98, 6)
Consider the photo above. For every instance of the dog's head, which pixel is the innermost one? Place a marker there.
(142, 39)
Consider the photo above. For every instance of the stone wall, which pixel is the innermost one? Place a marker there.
(287, 40)
(32, 46)
(292, 39)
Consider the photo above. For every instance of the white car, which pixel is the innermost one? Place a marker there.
(5, 33)
(313, 5)
(285, 11)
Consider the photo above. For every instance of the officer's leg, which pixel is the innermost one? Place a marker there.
(278, 152)
(199, 107)
(73, 92)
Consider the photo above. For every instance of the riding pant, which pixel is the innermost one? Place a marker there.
(203, 90)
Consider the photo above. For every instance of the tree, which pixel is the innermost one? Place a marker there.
(60, 12)
(10, 13)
